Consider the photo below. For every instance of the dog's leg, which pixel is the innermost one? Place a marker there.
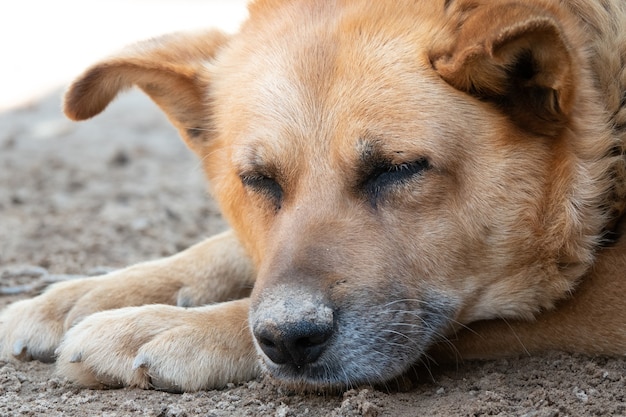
(591, 321)
(214, 270)
(162, 347)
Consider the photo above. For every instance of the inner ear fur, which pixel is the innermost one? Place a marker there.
(169, 69)
(514, 56)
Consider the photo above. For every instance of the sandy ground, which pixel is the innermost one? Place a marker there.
(82, 199)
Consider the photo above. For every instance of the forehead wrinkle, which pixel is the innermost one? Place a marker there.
(292, 93)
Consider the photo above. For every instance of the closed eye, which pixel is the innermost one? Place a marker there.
(383, 177)
(264, 185)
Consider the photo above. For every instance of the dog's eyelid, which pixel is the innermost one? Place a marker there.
(263, 184)
(258, 180)
(255, 176)
(384, 175)
(380, 168)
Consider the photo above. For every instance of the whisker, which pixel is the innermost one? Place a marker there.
(516, 335)
(405, 300)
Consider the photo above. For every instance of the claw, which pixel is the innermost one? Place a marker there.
(184, 301)
(76, 357)
(141, 364)
(141, 361)
(20, 350)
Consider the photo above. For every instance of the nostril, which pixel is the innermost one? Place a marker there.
(305, 342)
(295, 343)
(272, 346)
(266, 342)
(312, 341)
(319, 338)
(308, 349)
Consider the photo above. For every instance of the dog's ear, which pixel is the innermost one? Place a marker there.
(512, 55)
(169, 69)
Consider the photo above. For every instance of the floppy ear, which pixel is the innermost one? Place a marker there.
(514, 56)
(169, 69)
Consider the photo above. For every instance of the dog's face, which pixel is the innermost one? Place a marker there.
(382, 205)
(395, 170)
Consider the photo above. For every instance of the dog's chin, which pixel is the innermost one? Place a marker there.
(306, 378)
(331, 378)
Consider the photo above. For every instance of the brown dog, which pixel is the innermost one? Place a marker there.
(393, 171)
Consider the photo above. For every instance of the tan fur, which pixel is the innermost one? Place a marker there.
(403, 179)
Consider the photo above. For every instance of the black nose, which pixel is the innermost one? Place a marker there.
(293, 343)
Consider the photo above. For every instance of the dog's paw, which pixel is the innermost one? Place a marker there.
(161, 347)
(32, 329)
(26, 332)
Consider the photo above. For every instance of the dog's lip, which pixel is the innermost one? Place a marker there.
(313, 374)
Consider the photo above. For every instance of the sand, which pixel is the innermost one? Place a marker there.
(83, 199)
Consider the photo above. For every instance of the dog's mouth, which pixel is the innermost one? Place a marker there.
(307, 342)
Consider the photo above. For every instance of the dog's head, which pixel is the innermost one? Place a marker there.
(394, 169)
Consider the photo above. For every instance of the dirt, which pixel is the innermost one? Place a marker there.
(83, 199)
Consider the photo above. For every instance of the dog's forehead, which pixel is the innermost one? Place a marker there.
(327, 76)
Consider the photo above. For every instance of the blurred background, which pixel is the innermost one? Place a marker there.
(115, 189)
(44, 44)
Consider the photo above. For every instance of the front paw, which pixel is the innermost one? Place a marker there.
(27, 332)
(32, 329)
(161, 347)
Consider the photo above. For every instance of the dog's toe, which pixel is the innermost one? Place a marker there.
(20, 351)
(141, 365)
(141, 362)
(27, 332)
(23, 352)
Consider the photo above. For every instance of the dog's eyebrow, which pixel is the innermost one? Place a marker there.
(250, 161)
(370, 153)
(370, 157)
(367, 149)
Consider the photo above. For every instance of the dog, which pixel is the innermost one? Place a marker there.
(405, 180)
